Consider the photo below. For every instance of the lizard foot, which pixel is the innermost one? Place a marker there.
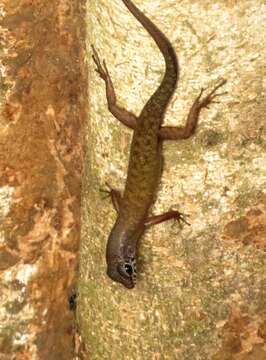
(107, 191)
(180, 217)
(100, 69)
(208, 99)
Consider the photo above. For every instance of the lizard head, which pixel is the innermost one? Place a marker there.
(123, 271)
(121, 253)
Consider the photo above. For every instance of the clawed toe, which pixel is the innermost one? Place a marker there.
(106, 192)
(181, 218)
(208, 99)
(100, 69)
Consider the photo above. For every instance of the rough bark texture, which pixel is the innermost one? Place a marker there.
(43, 102)
(201, 289)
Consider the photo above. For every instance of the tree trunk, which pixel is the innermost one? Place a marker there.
(43, 97)
(199, 293)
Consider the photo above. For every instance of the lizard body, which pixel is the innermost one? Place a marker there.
(145, 162)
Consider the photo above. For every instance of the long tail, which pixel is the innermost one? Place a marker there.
(168, 84)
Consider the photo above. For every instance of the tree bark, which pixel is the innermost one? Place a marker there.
(43, 103)
(200, 291)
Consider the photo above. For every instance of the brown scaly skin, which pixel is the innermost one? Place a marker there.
(144, 170)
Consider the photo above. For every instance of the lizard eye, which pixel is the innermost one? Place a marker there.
(127, 269)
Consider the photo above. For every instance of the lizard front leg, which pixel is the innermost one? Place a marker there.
(124, 116)
(178, 133)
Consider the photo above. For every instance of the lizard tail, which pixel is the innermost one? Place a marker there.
(172, 69)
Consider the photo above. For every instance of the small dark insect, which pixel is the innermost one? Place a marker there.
(72, 301)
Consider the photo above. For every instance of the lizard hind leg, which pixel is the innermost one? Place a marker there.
(115, 196)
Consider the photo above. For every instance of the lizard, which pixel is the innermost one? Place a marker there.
(145, 160)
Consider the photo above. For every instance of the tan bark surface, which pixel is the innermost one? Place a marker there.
(201, 289)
